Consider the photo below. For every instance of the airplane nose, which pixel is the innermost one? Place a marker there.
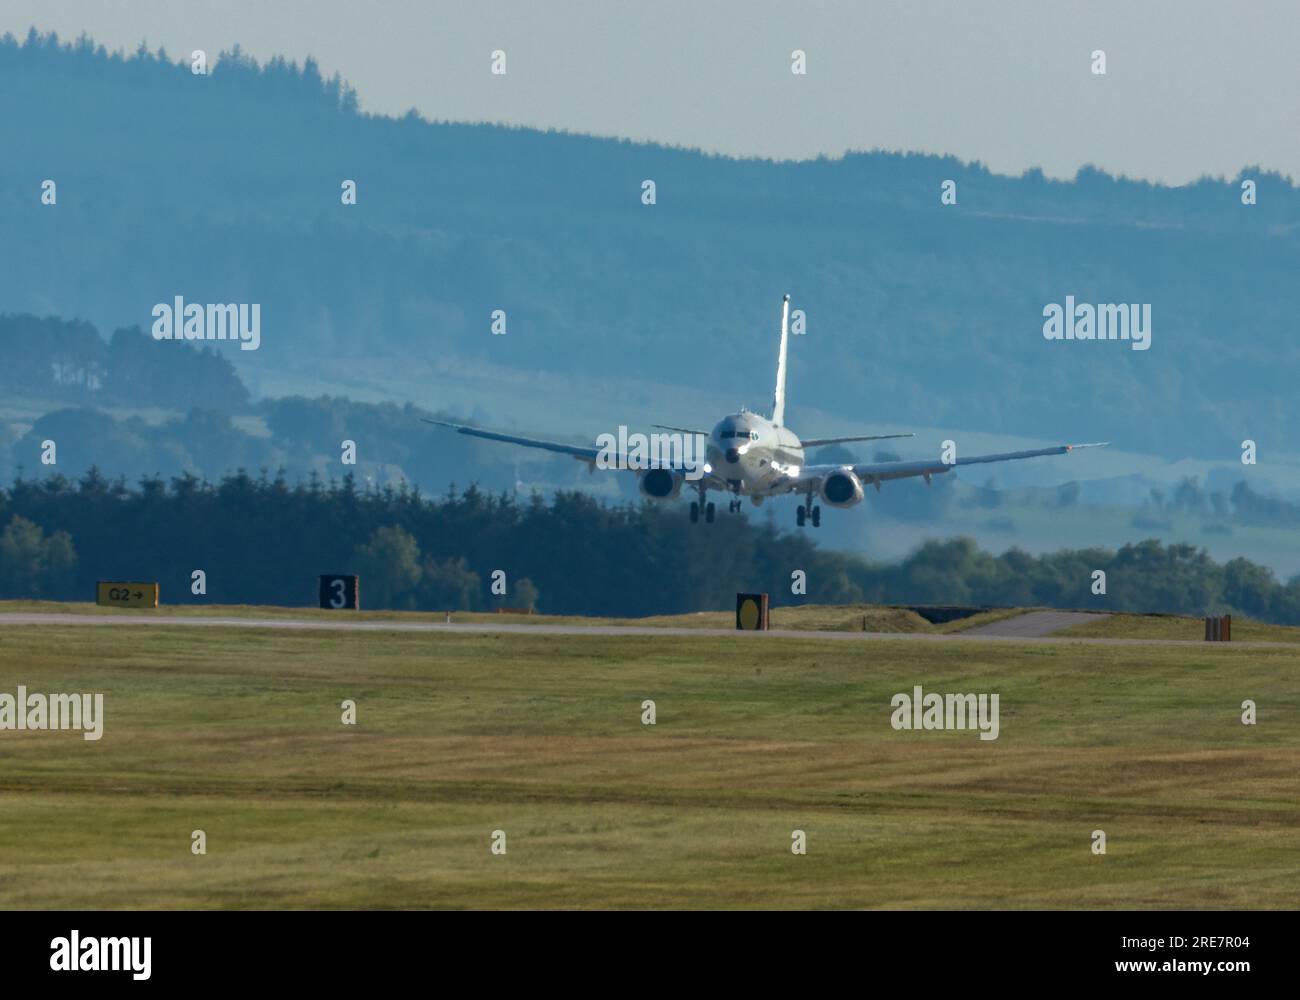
(733, 456)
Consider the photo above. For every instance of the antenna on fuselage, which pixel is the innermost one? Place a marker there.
(778, 401)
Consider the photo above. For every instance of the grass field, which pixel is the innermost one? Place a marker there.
(237, 732)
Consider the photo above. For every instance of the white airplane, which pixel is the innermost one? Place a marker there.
(748, 455)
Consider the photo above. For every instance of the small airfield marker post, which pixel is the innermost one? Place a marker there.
(124, 594)
(1218, 628)
(340, 591)
(752, 612)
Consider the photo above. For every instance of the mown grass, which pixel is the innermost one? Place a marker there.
(237, 732)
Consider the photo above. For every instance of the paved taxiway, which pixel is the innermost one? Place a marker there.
(1035, 624)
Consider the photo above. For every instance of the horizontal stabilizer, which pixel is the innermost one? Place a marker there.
(818, 442)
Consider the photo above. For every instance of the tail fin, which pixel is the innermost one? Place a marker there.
(778, 402)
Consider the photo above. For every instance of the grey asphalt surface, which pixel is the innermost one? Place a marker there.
(22, 619)
(1035, 624)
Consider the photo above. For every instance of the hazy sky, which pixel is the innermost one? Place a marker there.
(1192, 87)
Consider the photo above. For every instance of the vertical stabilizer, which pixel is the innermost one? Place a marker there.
(778, 402)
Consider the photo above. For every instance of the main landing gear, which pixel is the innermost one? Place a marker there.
(695, 512)
(701, 505)
(801, 516)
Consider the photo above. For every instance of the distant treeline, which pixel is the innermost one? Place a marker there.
(265, 541)
(48, 358)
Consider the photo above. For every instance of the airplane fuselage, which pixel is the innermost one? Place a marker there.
(754, 456)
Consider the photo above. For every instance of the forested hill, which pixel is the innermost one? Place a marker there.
(226, 188)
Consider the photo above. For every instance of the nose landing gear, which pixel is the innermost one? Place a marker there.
(701, 506)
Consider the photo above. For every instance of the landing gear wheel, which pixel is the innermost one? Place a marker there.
(799, 516)
(695, 512)
(817, 517)
(734, 506)
(708, 513)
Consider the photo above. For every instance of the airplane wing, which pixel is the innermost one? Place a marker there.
(617, 460)
(586, 454)
(875, 473)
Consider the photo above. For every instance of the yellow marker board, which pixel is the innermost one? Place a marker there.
(118, 594)
(751, 612)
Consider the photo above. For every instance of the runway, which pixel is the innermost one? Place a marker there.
(37, 619)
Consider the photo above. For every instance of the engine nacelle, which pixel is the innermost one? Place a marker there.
(842, 488)
(661, 484)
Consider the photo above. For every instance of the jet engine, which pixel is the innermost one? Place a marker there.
(663, 484)
(842, 488)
